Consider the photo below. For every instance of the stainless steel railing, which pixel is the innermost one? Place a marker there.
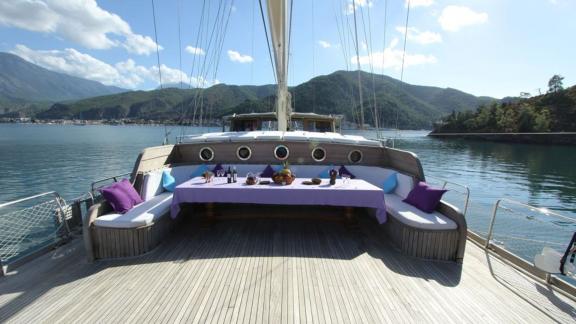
(453, 187)
(538, 225)
(104, 181)
(529, 233)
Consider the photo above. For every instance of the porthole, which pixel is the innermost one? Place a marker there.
(206, 154)
(281, 152)
(244, 153)
(318, 154)
(355, 156)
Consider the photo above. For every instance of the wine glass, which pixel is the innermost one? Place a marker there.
(345, 178)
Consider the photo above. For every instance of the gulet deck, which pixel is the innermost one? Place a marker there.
(275, 271)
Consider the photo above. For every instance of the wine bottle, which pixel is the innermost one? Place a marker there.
(229, 175)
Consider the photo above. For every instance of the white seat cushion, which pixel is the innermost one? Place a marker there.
(142, 214)
(414, 217)
(152, 184)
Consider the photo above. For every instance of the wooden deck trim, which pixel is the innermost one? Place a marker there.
(440, 245)
(109, 243)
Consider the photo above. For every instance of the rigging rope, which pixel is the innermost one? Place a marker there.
(313, 60)
(384, 43)
(166, 132)
(405, 39)
(180, 64)
(267, 39)
(368, 40)
(404, 52)
(252, 44)
(157, 46)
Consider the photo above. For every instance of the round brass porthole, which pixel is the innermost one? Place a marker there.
(206, 154)
(355, 156)
(318, 154)
(281, 152)
(244, 153)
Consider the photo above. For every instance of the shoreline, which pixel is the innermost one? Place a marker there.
(559, 138)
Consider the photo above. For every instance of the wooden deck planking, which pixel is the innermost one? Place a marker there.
(275, 271)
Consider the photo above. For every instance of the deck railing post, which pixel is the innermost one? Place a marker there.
(492, 221)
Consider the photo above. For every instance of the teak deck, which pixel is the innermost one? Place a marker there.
(275, 271)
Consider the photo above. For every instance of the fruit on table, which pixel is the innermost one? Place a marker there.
(286, 172)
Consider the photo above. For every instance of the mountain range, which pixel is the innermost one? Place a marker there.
(24, 82)
(398, 103)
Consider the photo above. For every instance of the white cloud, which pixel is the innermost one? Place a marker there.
(126, 74)
(324, 44)
(391, 58)
(453, 18)
(356, 4)
(72, 62)
(421, 37)
(195, 50)
(237, 57)
(419, 3)
(80, 21)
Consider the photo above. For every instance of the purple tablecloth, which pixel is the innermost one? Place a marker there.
(355, 193)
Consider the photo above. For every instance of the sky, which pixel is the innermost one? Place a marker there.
(492, 48)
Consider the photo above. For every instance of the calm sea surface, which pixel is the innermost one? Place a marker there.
(39, 158)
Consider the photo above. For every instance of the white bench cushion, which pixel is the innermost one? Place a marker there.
(414, 217)
(152, 185)
(142, 214)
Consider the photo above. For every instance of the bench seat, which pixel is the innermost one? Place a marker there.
(413, 217)
(142, 214)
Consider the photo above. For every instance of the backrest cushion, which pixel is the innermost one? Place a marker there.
(199, 171)
(325, 174)
(405, 185)
(152, 184)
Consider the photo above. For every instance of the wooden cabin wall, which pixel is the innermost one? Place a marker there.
(263, 153)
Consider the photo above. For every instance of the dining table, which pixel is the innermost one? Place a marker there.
(345, 193)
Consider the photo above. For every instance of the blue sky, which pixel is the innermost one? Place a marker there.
(485, 47)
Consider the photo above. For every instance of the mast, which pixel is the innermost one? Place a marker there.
(278, 13)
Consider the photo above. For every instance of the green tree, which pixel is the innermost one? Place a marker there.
(555, 83)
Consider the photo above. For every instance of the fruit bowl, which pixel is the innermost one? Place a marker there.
(283, 179)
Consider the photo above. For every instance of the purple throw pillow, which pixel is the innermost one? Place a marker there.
(217, 168)
(130, 191)
(424, 197)
(117, 198)
(121, 195)
(268, 172)
(344, 171)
